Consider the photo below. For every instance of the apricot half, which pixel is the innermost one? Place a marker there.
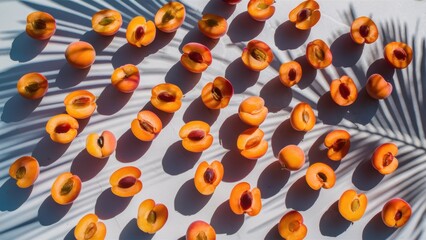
(320, 175)
(62, 128)
(196, 57)
(200, 230)
(126, 78)
(398, 54)
(257, 55)
(261, 10)
(213, 26)
(25, 171)
(107, 22)
(196, 136)
(318, 54)
(291, 157)
(302, 117)
(338, 144)
(253, 111)
(66, 188)
(152, 216)
(170, 17)
(208, 176)
(140, 32)
(291, 226)
(125, 181)
(377, 87)
(80, 54)
(101, 146)
(80, 104)
(364, 30)
(396, 213)
(166, 97)
(40, 25)
(251, 143)
(217, 94)
(89, 228)
(146, 126)
(290, 73)
(32, 85)
(243, 200)
(305, 15)
(352, 205)
(343, 91)
(384, 158)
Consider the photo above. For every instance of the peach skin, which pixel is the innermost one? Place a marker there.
(343, 91)
(101, 146)
(251, 143)
(170, 17)
(302, 117)
(257, 55)
(377, 87)
(90, 228)
(396, 213)
(140, 32)
(305, 15)
(107, 22)
(80, 104)
(213, 26)
(146, 126)
(261, 10)
(253, 111)
(318, 54)
(364, 30)
(208, 176)
(352, 205)
(25, 171)
(384, 158)
(243, 200)
(291, 157)
(217, 94)
(80, 54)
(40, 25)
(66, 188)
(125, 181)
(200, 230)
(291, 226)
(152, 216)
(62, 128)
(196, 57)
(398, 54)
(166, 97)
(338, 144)
(196, 136)
(320, 175)
(290, 73)
(32, 85)
(126, 78)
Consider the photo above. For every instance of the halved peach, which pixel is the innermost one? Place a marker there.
(377, 87)
(196, 136)
(343, 91)
(146, 126)
(166, 97)
(126, 78)
(232, 2)
(261, 10)
(291, 226)
(384, 158)
(305, 15)
(107, 22)
(90, 228)
(40, 25)
(200, 230)
(253, 111)
(213, 26)
(80, 104)
(25, 171)
(62, 128)
(152, 216)
(196, 57)
(243, 200)
(320, 175)
(251, 143)
(217, 94)
(140, 32)
(257, 55)
(398, 54)
(125, 181)
(318, 54)
(66, 188)
(302, 117)
(32, 85)
(170, 17)
(352, 205)
(208, 176)
(101, 146)
(396, 213)
(338, 143)
(290, 73)
(80, 54)
(291, 157)
(364, 30)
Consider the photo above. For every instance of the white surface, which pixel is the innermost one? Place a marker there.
(167, 168)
